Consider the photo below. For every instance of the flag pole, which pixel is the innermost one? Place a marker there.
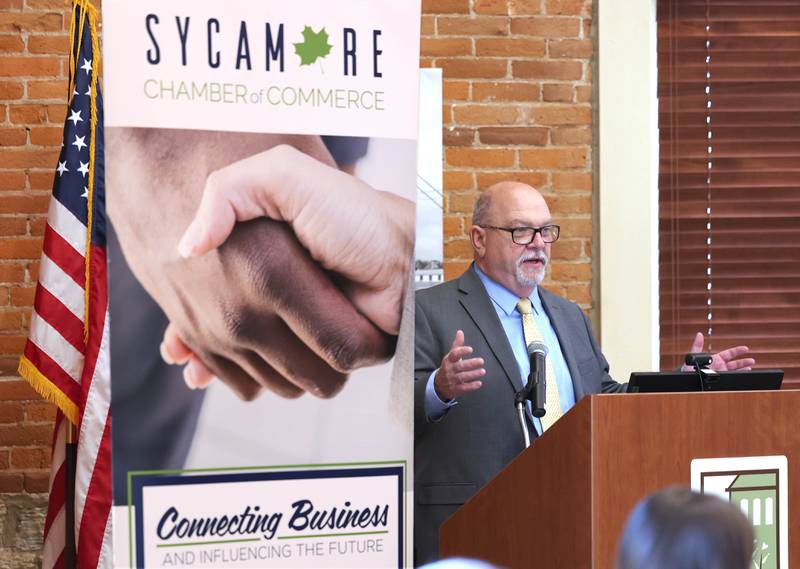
(70, 463)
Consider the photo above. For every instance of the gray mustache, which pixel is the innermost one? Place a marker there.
(532, 257)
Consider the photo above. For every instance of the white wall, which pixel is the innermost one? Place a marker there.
(628, 185)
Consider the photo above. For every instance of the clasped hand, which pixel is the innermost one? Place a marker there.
(307, 286)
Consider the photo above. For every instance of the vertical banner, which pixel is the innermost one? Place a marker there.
(261, 183)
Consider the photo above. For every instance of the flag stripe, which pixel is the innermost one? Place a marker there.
(55, 540)
(97, 507)
(59, 452)
(57, 492)
(106, 558)
(69, 227)
(64, 255)
(55, 523)
(60, 285)
(93, 483)
(96, 401)
(68, 325)
(50, 341)
(57, 472)
(52, 371)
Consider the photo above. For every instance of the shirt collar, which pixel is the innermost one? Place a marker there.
(504, 298)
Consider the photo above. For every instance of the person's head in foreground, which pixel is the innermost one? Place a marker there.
(680, 529)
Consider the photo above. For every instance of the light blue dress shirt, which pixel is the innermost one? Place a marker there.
(505, 304)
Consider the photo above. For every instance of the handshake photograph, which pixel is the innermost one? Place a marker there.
(274, 288)
(450, 284)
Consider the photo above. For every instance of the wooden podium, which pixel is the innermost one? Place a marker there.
(563, 502)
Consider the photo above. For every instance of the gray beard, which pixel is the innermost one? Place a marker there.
(526, 281)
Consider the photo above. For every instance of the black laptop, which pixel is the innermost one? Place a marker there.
(680, 381)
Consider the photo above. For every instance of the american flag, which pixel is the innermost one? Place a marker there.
(66, 357)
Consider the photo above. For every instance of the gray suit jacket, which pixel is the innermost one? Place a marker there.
(458, 454)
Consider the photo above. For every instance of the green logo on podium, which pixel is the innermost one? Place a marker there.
(758, 486)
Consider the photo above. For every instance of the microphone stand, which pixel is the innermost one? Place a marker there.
(522, 424)
(520, 399)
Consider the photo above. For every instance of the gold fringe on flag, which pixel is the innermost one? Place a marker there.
(87, 8)
(48, 390)
(91, 12)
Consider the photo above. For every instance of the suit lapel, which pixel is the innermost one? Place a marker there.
(476, 302)
(563, 328)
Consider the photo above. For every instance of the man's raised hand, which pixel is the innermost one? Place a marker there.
(458, 373)
(726, 360)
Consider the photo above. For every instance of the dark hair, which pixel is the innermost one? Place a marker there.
(680, 528)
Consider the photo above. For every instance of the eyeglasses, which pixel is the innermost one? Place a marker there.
(526, 235)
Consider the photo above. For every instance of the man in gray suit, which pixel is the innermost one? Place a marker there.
(471, 357)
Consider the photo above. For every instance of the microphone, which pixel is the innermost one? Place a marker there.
(535, 390)
(537, 380)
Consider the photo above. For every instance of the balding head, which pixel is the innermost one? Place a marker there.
(507, 205)
(502, 191)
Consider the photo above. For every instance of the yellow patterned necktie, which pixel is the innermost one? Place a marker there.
(532, 333)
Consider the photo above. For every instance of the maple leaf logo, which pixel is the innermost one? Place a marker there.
(314, 46)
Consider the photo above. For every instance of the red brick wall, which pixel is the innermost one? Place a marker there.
(33, 72)
(517, 105)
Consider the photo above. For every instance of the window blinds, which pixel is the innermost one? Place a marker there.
(729, 178)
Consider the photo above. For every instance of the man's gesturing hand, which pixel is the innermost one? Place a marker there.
(726, 360)
(458, 375)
